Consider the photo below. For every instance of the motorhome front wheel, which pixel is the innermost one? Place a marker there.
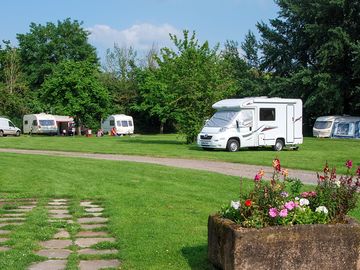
(233, 145)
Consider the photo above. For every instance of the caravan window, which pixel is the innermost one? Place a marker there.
(118, 123)
(34, 123)
(322, 124)
(221, 119)
(130, 124)
(46, 122)
(26, 122)
(112, 122)
(124, 123)
(267, 114)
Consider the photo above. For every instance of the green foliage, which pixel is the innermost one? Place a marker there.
(74, 89)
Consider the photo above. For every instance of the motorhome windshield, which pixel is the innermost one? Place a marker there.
(221, 119)
(46, 122)
(322, 124)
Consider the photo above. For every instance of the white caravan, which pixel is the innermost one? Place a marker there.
(65, 125)
(41, 123)
(8, 128)
(253, 122)
(323, 126)
(121, 124)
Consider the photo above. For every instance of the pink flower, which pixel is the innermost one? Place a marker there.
(257, 177)
(349, 164)
(283, 213)
(273, 212)
(290, 205)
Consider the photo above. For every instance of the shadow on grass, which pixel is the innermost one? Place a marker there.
(147, 141)
(197, 257)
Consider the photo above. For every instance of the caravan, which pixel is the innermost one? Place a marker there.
(41, 123)
(323, 126)
(253, 122)
(120, 124)
(346, 127)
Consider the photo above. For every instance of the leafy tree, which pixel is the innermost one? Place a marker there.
(45, 46)
(314, 46)
(74, 89)
(250, 48)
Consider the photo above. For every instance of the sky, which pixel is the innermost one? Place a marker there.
(140, 23)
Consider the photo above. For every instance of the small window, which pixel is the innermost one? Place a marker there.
(34, 123)
(267, 114)
(112, 123)
(11, 124)
(26, 122)
(118, 123)
(124, 123)
(130, 124)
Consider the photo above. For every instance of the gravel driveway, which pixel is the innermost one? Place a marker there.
(234, 169)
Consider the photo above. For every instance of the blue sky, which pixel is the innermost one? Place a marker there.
(140, 23)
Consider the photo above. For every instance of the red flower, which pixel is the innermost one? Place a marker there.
(349, 164)
(326, 168)
(248, 203)
(276, 164)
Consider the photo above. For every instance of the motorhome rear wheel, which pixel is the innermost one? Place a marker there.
(279, 145)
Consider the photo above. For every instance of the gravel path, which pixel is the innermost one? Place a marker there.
(234, 169)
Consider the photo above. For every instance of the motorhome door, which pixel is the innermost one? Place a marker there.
(290, 124)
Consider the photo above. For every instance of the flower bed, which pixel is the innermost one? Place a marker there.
(278, 227)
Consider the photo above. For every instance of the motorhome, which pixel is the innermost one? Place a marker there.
(65, 125)
(119, 124)
(8, 128)
(323, 126)
(253, 122)
(41, 123)
(346, 127)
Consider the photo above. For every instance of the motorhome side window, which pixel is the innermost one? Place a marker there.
(34, 123)
(112, 122)
(267, 114)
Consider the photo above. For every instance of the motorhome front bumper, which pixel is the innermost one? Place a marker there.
(211, 141)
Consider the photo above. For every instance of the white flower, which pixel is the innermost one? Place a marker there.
(304, 201)
(235, 205)
(322, 209)
(338, 183)
(296, 198)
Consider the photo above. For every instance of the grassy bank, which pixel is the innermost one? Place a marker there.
(311, 155)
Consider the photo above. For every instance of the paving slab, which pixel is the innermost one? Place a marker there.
(4, 249)
(62, 234)
(91, 234)
(56, 206)
(49, 265)
(56, 243)
(92, 220)
(19, 210)
(88, 242)
(90, 251)
(98, 264)
(57, 203)
(94, 209)
(61, 216)
(54, 253)
(59, 211)
(3, 239)
(94, 214)
(91, 226)
(5, 231)
(26, 207)
(12, 223)
(12, 219)
(13, 215)
(59, 200)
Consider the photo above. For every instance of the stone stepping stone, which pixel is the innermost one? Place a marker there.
(61, 216)
(8, 223)
(49, 265)
(95, 214)
(56, 243)
(59, 200)
(62, 234)
(57, 203)
(56, 206)
(12, 219)
(88, 242)
(94, 209)
(5, 231)
(91, 234)
(13, 215)
(21, 210)
(88, 204)
(90, 251)
(98, 264)
(3, 240)
(26, 207)
(92, 220)
(91, 226)
(4, 249)
(54, 253)
(59, 211)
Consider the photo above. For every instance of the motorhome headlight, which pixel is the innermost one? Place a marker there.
(223, 129)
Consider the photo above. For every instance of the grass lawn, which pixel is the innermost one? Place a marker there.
(311, 155)
(158, 214)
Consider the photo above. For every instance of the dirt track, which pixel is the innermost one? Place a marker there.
(234, 169)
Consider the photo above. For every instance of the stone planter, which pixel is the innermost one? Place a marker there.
(283, 247)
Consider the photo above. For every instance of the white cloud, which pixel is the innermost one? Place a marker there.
(140, 36)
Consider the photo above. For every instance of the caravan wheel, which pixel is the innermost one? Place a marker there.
(232, 145)
(279, 145)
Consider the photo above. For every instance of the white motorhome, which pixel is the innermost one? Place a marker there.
(253, 122)
(121, 124)
(323, 126)
(41, 123)
(8, 128)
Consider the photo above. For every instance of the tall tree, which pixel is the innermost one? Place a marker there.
(45, 46)
(250, 49)
(74, 89)
(313, 46)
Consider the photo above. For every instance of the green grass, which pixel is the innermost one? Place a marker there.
(158, 214)
(311, 155)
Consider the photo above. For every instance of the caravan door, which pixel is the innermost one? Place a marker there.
(290, 124)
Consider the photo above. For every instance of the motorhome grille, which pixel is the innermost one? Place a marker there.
(205, 137)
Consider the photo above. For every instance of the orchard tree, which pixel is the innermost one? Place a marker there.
(45, 46)
(74, 89)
